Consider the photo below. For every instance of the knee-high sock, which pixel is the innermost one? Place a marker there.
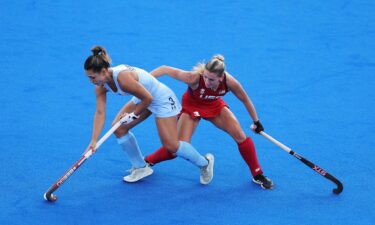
(247, 150)
(130, 146)
(188, 152)
(159, 155)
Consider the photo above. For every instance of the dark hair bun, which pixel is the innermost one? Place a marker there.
(98, 50)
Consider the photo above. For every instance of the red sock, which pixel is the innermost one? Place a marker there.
(159, 155)
(248, 153)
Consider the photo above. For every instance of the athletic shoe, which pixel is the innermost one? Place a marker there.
(207, 172)
(138, 173)
(265, 182)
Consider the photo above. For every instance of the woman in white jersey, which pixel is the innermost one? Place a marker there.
(150, 97)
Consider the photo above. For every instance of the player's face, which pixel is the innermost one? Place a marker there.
(211, 80)
(97, 78)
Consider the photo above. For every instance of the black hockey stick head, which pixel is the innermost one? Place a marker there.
(339, 188)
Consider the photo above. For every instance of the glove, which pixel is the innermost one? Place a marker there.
(259, 127)
(128, 118)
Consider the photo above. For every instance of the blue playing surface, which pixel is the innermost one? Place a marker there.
(308, 66)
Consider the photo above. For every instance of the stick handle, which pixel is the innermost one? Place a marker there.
(276, 142)
(105, 137)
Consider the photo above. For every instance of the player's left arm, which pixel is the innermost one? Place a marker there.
(241, 94)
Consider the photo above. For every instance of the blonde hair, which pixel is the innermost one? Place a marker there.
(215, 65)
(98, 60)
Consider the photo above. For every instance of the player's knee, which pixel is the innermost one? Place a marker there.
(239, 136)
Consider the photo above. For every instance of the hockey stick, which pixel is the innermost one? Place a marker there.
(316, 168)
(51, 197)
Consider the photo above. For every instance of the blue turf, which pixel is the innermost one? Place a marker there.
(308, 66)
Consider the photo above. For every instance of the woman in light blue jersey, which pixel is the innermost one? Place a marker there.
(149, 97)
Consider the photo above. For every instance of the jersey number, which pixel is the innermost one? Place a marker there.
(173, 104)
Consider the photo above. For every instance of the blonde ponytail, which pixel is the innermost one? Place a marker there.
(199, 68)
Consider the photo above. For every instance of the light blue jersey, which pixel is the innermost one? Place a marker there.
(164, 103)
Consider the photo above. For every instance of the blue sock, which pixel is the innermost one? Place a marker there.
(188, 152)
(130, 146)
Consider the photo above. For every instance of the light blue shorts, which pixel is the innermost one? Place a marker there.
(164, 103)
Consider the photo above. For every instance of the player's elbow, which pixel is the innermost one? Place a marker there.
(100, 113)
(148, 99)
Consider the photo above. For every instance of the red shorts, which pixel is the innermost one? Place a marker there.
(201, 109)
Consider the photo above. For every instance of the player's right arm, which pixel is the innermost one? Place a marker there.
(99, 117)
(188, 77)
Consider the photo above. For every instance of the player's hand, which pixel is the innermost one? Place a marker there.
(91, 147)
(128, 118)
(257, 127)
